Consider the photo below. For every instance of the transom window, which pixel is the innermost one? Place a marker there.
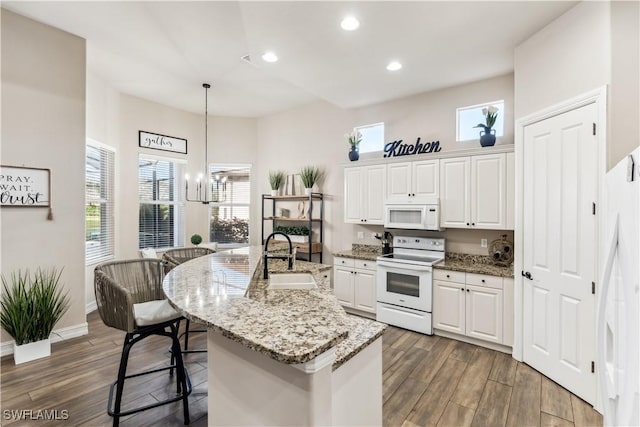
(372, 138)
(468, 117)
(161, 216)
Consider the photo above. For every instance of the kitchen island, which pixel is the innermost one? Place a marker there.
(279, 357)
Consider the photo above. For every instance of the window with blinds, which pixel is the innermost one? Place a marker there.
(99, 197)
(161, 216)
(229, 213)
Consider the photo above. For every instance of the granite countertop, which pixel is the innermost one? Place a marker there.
(473, 264)
(363, 252)
(226, 292)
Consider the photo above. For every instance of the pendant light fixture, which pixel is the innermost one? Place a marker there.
(204, 192)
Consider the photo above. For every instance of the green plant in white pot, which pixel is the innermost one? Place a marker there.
(31, 307)
(276, 179)
(309, 176)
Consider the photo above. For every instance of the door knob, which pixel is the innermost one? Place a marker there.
(527, 275)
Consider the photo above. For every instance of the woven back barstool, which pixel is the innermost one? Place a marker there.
(129, 297)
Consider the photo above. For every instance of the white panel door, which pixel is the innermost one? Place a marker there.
(488, 191)
(425, 179)
(398, 182)
(374, 187)
(483, 308)
(353, 201)
(343, 286)
(560, 181)
(448, 306)
(365, 290)
(454, 192)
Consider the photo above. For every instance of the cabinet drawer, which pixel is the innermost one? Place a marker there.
(484, 280)
(346, 262)
(448, 276)
(365, 264)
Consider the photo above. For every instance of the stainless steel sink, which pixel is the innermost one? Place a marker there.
(292, 281)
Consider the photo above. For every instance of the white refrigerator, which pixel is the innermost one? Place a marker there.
(618, 317)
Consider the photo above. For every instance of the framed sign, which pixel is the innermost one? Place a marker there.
(25, 187)
(157, 141)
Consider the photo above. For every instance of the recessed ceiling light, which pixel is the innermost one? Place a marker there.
(394, 66)
(269, 57)
(350, 23)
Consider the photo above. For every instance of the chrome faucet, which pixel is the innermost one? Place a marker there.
(267, 256)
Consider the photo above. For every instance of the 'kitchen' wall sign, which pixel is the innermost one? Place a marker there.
(397, 148)
(162, 142)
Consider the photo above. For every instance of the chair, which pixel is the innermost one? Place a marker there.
(129, 297)
(148, 253)
(173, 258)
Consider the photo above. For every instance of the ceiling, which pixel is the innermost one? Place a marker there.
(164, 51)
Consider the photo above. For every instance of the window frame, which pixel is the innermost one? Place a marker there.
(226, 204)
(178, 196)
(109, 202)
(471, 107)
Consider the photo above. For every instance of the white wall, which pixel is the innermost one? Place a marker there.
(314, 135)
(115, 119)
(43, 125)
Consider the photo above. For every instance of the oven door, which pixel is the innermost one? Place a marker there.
(404, 285)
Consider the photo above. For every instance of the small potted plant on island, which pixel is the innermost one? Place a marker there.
(309, 176)
(31, 307)
(276, 178)
(196, 239)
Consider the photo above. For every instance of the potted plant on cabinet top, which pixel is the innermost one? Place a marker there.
(309, 176)
(487, 138)
(354, 138)
(276, 179)
(31, 307)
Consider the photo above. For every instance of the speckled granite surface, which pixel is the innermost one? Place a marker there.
(473, 264)
(226, 292)
(363, 252)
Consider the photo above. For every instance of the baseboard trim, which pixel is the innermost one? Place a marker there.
(475, 341)
(91, 307)
(57, 335)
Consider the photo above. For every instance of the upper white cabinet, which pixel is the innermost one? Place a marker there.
(474, 192)
(364, 189)
(410, 181)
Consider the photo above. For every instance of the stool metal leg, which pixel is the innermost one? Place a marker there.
(122, 371)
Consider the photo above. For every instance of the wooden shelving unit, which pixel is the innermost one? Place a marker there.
(307, 249)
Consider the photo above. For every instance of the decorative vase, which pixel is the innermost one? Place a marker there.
(31, 351)
(274, 193)
(307, 191)
(353, 153)
(487, 137)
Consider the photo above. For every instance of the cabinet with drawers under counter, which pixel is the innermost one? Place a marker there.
(354, 283)
(477, 306)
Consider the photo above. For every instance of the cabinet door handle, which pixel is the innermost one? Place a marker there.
(448, 276)
(467, 290)
(467, 223)
(409, 195)
(462, 289)
(482, 280)
(364, 265)
(473, 223)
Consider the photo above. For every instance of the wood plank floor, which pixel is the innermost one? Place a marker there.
(427, 381)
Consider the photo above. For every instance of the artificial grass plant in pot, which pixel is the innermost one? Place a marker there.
(31, 307)
(276, 178)
(309, 176)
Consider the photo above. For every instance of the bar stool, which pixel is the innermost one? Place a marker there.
(129, 297)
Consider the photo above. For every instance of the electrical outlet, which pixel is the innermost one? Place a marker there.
(483, 243)
(360, 234)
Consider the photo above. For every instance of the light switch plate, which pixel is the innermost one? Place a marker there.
(483, 243)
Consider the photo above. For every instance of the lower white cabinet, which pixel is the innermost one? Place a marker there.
(354, 283)
(473, 305)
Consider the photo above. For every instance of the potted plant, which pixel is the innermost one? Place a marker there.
(487, 138)
(196, 239)
(354, 139)
(276, 178)
(309, 176)
(296, 234)
(31, 307)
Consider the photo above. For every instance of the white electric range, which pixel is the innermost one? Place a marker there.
(405, 282)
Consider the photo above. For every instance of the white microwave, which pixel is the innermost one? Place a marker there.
(424, 216)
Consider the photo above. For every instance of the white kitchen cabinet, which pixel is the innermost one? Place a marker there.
(409, 181)
(473, 305)
(474, 192)
(354, 283)
(364, 189)
(511, 191)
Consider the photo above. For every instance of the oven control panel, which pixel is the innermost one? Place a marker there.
(424, 243)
